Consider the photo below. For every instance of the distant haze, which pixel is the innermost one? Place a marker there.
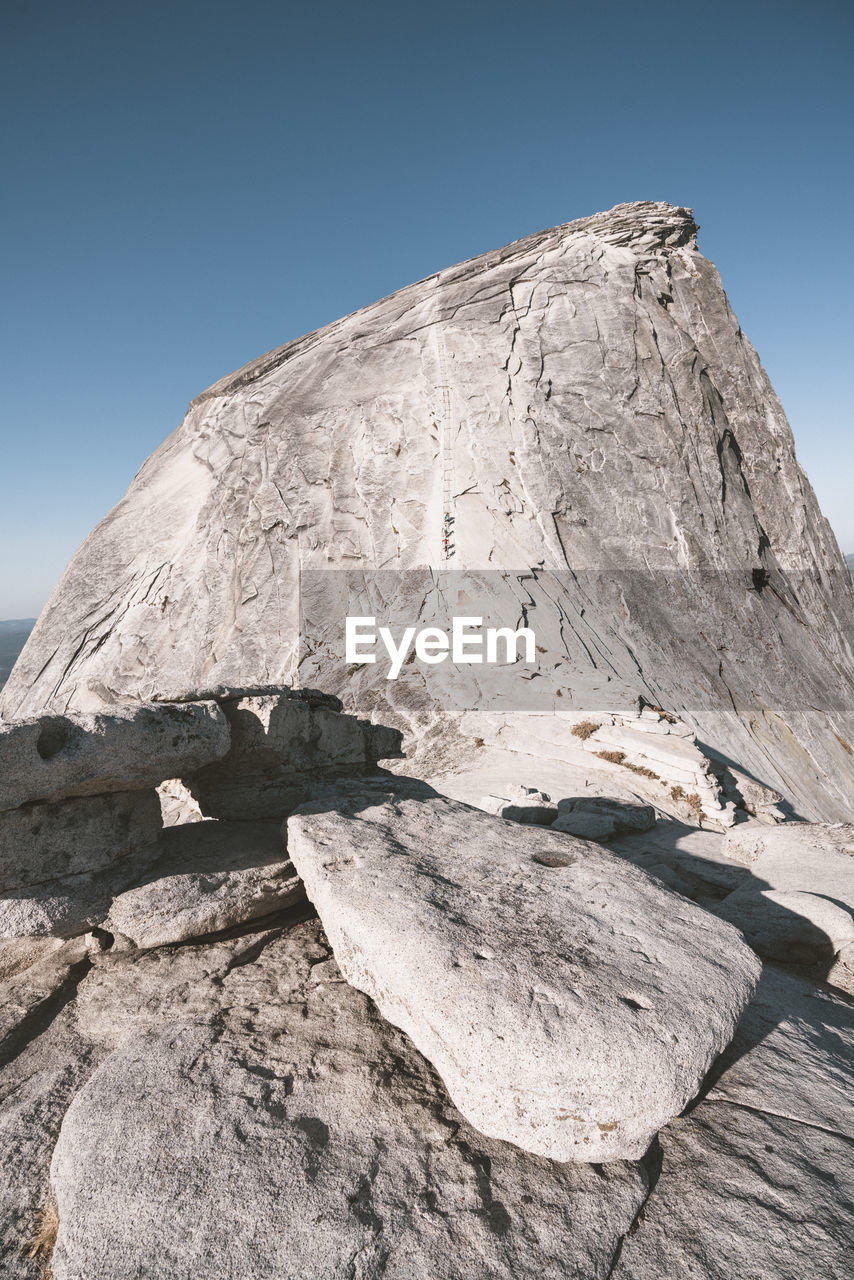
(13, 637)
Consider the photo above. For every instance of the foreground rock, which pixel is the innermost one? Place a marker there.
(209, 876)
(571, 1004)
(758, 1180)
(36, 1088)
(131, 748)
(299, 1134)
(43, 842)
(746, 1194)
(255, 1116)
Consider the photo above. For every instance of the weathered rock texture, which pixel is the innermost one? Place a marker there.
(746, 1194)
(759, 1178)
(281, 744)
(192, 1089)
(792, 927)
(41, 842)
(32, 972)
(792, 1055)
(657, 754)
(70, 905)
(256, 1118)
(209, 876)
(570, 1003)
(620, 470)
(131, 748)
(803, 846)
(197, 878)
(798, 857)
(234, 1108)
(601, 817)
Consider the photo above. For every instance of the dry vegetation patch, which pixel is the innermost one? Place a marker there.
(619, 757)
(44, 1241)
(584, 729)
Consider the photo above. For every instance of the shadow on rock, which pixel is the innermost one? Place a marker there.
(797, 952)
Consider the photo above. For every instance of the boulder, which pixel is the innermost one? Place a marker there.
(193, 1150)
(196, 879)
(130, 748)
(789, 925)
(522, 804)
(812, 857)
(70, 905)
(280, 743)
(602, 817)
(44, 842)
(210, 876)
(295, 1133)
(570, 1003)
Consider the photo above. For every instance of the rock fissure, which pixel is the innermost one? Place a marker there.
(782, 1115)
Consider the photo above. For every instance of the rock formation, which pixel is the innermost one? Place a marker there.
(498, 973)
(587, 411)
(277, 743)
(83, 845)
(522, 970)
(54, 757)
(297, 1134)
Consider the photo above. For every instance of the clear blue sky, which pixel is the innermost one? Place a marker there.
(187, 185)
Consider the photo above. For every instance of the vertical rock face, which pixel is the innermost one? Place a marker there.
(617, 469)
(280, 745)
